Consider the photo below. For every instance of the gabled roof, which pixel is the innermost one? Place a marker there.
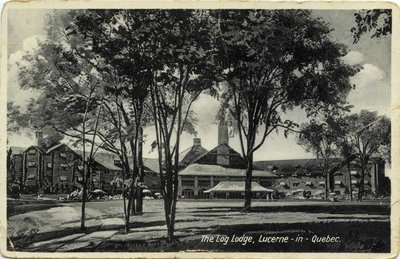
(56, 147)
(217, 170)
(151, 164)
(41, 150)
(107, 160)
(236, 186)
(210, 158)
(53, 148)
(17, 150)
(191, 154)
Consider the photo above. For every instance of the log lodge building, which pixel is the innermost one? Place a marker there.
(218, 173)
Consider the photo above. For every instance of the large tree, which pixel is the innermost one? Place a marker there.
(183, 43)
(370, 136)
(70, 94)
(320, 138)
(274, 61)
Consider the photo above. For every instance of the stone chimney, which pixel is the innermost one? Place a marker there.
(38, 138)
(197, 142)
(223, 138)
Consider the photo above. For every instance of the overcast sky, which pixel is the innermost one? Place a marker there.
(372, 83)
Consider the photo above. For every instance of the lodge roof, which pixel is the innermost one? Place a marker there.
(17, 150)
(104, 159)
(107, 160)
(217, 170)
(191, 154)
(294, 166)
(237, 186)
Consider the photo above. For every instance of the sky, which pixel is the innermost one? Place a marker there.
(372, 90)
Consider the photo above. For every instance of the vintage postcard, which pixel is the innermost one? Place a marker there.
(199, 129)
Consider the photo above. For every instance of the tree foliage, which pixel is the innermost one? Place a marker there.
(275, 60)
(376, 22)
(370, 137)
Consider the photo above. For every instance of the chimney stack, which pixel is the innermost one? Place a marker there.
(197, 142)
(223, 138)
(223, 132)
(38, 138)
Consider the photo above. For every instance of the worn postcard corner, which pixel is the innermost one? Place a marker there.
(199, 129)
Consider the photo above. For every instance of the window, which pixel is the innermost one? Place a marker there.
(63, 178)
(31, 176)
(354, 173)
(187, 182)
(265, 183)
(49, 165)
(79, 179)
(32, 152)
(63, 167)
(31, 164)
(203, 182)
(117, 162)
(296, 184)
(63, 155)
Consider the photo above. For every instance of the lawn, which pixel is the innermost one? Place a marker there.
(352, 227)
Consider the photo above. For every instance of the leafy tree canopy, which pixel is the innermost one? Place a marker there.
(376, 22)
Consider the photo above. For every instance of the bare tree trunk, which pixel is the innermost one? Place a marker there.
(84, 180)
(84, 196)
(139, 192)
(326, 185)
(361, 188)
(124, 201)
(350, 184)
(249, 178)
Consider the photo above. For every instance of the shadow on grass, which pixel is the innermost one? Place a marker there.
(375, 209)
(372, 237)
(22, 242)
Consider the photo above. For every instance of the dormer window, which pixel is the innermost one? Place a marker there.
(63, 155)
(117, 162)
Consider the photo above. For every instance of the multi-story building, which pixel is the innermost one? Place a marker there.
(59, 169)
(305, 176)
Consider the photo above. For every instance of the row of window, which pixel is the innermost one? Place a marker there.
(48, 165)
(33, 152)
(61, 178)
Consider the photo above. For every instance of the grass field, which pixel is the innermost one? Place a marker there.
(356, 227)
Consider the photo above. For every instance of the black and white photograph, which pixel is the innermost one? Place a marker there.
(199, 130)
